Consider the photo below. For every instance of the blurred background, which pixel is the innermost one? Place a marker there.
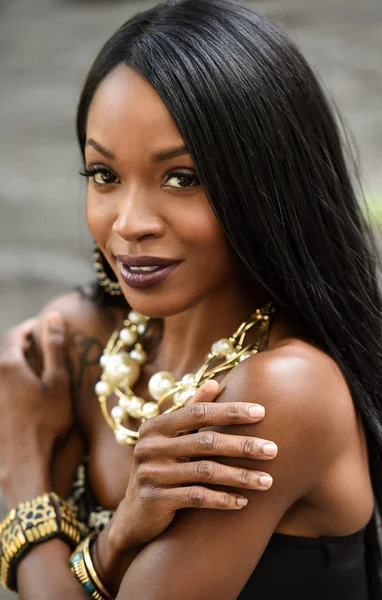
(46, 47)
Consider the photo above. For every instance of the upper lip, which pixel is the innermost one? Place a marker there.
(146, 261)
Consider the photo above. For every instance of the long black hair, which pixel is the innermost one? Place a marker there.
(269, 155)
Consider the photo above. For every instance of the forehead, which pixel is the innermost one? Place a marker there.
(126, 107)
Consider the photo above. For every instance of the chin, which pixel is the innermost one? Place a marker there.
(158, 306)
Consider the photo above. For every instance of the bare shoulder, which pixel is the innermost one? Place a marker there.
(79, 312)
(307, 402)
(88, 328)
(294, 377)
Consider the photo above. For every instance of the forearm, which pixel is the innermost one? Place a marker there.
(44, 571)
(44, 574)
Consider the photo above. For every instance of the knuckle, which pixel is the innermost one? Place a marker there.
(223, 499)
(142, 451)
(243, 477)
(248, 446)
(149, 494)
(197, 496)
(145, 429)
(146, 474)
(205, 470)
(198, 412)
(205, 441)
(233, 411)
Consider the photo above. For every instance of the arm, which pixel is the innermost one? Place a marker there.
(87, 331)
(43, 406)
(300, 413)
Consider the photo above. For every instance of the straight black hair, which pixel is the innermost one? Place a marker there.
(269, 155)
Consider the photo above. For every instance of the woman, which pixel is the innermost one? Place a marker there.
(217, 185)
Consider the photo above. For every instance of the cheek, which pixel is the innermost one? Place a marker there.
(99, 216)
(204, 239)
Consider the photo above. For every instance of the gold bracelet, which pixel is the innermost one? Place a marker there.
(31, 523)
(81, 565)
(90, 567)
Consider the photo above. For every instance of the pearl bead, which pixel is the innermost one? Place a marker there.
(139, 355)
(232, 356)
(113, 362)
(115, 379)
(245, 355)
(141, 329)
(188, 380)
(128, 336)
(117, 413)
(121, 436)
(122, 369)
(180, 398)
(189, 392)
(136, 318)
(133, 372)
(102, 389)
(161, 383)
(150, 410)
(222, 347)
(135, 407)
(103, 360)
(124, 402)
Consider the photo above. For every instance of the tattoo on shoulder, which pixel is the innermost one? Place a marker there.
(84, 356)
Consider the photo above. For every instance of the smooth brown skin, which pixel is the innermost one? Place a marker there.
(321, 478)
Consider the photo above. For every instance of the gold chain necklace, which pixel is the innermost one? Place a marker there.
(124, 356)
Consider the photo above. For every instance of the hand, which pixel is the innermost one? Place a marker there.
(35, 411)
(171, 465)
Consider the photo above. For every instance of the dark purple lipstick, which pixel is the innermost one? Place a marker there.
(143, 272)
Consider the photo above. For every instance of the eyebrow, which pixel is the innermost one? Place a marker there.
(163, 155)
(104, 151)
(156, 157)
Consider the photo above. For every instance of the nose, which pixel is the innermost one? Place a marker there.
(136, 217)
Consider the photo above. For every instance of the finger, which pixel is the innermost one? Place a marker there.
(195, 497)
(203, 472)
(203, 414)
(208, 392)
(53, 344)
(16, 340)
(205, 443)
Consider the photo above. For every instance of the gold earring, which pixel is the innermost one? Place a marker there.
(111, 287)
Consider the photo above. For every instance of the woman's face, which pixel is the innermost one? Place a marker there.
(145, 206)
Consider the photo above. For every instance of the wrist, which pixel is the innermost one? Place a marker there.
(26, 483)
(121, 537)
(113, 552)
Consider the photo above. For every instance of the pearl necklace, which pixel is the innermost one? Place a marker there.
(124, 356)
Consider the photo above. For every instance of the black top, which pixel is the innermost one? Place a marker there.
(291, 568)
(297, 568)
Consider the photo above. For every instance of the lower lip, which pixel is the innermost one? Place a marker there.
(144, 280)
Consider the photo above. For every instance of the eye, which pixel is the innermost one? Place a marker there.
(101, 175)
(182, 180)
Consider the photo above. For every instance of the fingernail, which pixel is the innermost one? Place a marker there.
(241, 502)
(269, 449)
(266, 481)
(256, 411)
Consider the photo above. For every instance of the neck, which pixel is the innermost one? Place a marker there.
(188, 336)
